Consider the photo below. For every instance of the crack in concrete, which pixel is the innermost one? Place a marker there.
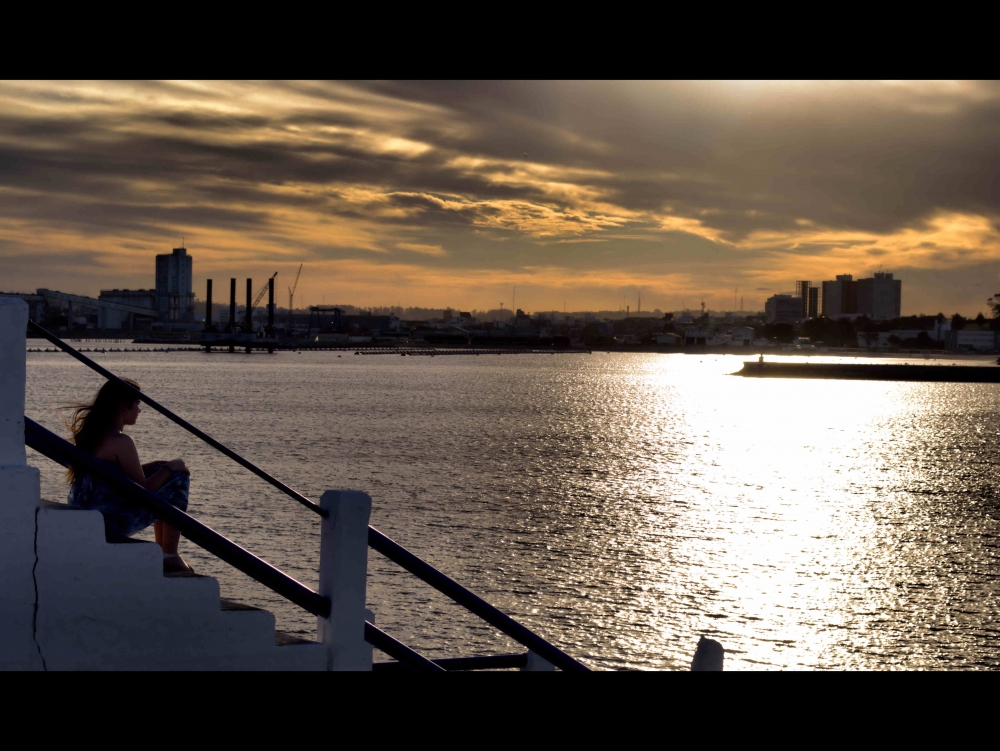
(34, 616)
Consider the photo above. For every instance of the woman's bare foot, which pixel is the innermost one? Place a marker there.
(174, 564)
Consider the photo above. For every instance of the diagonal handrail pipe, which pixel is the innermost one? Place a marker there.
(381, 640)
(472, 602)
(480, 662)
(32, 326)
(63, 452)
(376, 540)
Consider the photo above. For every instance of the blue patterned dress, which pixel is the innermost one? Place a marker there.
(123, 518)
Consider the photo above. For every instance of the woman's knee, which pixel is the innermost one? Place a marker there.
(175, 490)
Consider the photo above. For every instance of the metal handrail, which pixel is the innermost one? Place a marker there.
(472, 602)
(376, 540)
(479, 662)
(32, 326)
(63, 452)
(406, 656)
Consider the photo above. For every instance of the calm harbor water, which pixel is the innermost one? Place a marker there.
(619, 504)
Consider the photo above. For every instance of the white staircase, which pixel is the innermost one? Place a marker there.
(69, 600)
(107, 606)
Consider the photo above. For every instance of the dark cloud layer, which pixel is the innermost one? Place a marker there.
(653, 170)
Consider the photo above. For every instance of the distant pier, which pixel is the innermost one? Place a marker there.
(872, 372)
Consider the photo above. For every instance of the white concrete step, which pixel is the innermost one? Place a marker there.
(107, 606)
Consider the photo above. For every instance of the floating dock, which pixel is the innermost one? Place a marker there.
(872, 372)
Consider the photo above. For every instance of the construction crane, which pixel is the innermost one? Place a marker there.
(291, 296)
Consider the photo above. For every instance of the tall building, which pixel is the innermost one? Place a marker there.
(802, 292)
(783, 309)
(880, 298)
(809, 297)
(813, 310)
(174, 293)
(840, 297)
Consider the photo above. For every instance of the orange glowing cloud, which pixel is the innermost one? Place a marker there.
(681, 188)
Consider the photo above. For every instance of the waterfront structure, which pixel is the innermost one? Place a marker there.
(979, 341)
(333, 321)
(174, 291)
(135, 298)
(695, 336)
(783, 309)
(59, 310)
(741, 335)
(898, 337)
(869, 372)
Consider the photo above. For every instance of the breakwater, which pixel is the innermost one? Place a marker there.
(872, 372)
(404, 351)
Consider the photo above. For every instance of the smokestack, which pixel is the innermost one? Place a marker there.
(248, 322)
(270, 303)
(208, 305)
(232, 304)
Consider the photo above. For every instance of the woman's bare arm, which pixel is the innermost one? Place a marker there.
(124, 450)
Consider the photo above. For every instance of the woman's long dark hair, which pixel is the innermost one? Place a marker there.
(89, 423)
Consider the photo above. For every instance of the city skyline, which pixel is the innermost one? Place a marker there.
(442, 194)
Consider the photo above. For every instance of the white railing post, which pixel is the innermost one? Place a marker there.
(19, 497)
(13, 357)
(343, 573)
(537, 662)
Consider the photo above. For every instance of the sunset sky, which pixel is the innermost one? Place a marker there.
(449, 193)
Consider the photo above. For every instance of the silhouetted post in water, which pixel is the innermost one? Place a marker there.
(208, 305)
(708, 657)
(247, 320)
(208, 312)
(270, 311)
(247, 323)
(232, 312)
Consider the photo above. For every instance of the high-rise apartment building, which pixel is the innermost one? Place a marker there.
(174, 293)
(840, 297)
(880, 298)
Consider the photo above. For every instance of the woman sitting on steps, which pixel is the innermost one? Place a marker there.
(98, 429)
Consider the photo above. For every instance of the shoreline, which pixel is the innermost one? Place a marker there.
(122, 345)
